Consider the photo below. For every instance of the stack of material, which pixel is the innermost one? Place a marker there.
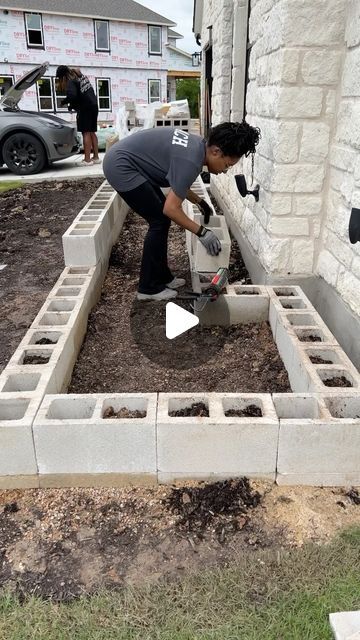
(173, 114)
(130, 108)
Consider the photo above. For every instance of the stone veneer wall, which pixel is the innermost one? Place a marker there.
(339, 261)
(303, 92)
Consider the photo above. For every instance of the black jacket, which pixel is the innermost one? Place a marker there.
(80, 94)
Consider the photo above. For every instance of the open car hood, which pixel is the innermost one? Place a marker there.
(13, 95)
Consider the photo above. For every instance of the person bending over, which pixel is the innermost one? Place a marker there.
(81, 97)
(139, 165)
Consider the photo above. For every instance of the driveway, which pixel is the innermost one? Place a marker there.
(62, 170)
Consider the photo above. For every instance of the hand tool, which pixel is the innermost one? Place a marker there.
(211, 292)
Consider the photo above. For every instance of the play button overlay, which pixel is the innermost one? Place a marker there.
(171, 336)
(178, 320)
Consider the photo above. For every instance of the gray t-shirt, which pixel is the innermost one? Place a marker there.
(163, 156)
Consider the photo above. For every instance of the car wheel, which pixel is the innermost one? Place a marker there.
(24, 154)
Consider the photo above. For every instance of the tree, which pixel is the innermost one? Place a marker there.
(189, 88)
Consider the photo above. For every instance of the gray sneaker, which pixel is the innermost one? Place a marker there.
(176, 283)
(165, 294)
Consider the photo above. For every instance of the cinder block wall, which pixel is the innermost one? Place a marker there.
(303, 92)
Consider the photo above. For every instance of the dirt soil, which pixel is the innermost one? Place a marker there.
(62, 543)
(33, 219)
(125, 337)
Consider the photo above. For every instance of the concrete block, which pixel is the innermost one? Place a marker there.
(239, 304)
(316, 448)
(292, 332)
(72, 436)
(345, 625)
(55, 368)
(200, 260)
(30, 381)
(285, 297)
(309, 373)
(219, 444)
(82, 246)
(17, 454)
(87, 241)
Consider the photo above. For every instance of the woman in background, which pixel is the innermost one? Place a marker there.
(81, 97)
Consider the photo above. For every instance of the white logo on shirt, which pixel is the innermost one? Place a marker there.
(180, 137)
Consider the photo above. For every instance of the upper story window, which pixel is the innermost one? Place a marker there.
(154, 40)
(34, 30)
(102, 36)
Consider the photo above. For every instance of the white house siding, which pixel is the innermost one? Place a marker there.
(177, 61)
(70, 40)
(304, 94)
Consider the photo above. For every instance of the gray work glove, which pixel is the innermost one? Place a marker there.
(205, 210)
(209, 240)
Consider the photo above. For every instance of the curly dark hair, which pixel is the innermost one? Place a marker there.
(235, 139)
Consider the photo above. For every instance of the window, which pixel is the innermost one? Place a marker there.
(34, 30)
(44, 88)
(102, 39)
(5, 83)
(154, 40)
(58, 96)
(103, 93)
(154, 90)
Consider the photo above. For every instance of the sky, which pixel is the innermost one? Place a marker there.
(180, 12)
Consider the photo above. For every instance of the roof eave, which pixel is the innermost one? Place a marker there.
(97, 17)
(184, 53)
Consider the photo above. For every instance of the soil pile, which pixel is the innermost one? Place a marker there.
(220, 505)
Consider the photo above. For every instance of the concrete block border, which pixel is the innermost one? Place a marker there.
(50, 438)
(73, 436)
(217, 445)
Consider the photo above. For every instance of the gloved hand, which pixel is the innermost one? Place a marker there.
(205, 210)
(210, 241)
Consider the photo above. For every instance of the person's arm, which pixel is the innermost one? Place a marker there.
(72, 94)
(201, 204)
(174, 211)
(193, 197)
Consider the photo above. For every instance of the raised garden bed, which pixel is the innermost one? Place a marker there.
(125, 349)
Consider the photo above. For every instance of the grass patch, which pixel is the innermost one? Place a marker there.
(275, 595)
(10, 184)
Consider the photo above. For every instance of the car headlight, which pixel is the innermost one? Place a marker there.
(50, 124)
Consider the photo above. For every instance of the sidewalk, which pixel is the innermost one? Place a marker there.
(62, 170)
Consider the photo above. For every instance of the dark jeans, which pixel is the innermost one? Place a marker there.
(148, 201)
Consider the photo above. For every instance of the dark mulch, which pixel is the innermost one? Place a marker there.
(198, 409)
(319, 360)
(218, 505)
(125, 349)
(337, 381)
(252, 411)
(33, 219)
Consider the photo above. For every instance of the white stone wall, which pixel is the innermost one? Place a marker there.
(304, 94)
(339, 261)
(218, 14)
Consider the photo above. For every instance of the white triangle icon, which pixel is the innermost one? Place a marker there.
(178, 320)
